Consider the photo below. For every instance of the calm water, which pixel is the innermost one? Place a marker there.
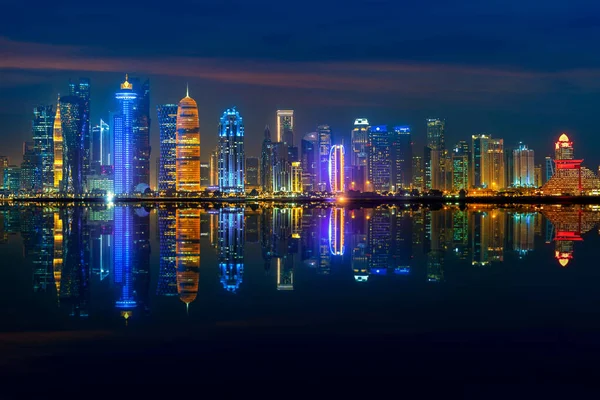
(418, 269)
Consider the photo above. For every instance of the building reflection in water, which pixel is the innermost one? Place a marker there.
(231, 247)
(187, 253)
(75, 249)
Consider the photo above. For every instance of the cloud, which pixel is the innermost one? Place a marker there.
(418, 80)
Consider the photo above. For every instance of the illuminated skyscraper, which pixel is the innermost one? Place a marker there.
(31, 176)
(285, 127)
(401, 157)
(58, 149)
(417, 170)
(42, 126)
(479, 164)
(563, 149)
(324, 138)
(214, 168)
(337, 243)
(188, 146)
(231, 152)
(187, 253)
(523, 167)
(379, 158)
(296, 177)
(101, 148)
(204, 175)
(141, 134)
(309, 158)
(336, 169)
(3, 165)
(124, 151)
(460, 166)
(360, 153)
(74, 131)
(231, 247)
(266, 162)
(495, 164)
(436, 142)
(167, 121)
(82, 91)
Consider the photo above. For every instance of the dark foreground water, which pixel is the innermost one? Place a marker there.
(476, 293)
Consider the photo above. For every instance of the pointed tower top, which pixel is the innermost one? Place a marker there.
(126, 84)
(187, 90)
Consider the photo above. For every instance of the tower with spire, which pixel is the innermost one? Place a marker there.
(187, 145)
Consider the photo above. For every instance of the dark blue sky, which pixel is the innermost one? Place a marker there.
(520, 70)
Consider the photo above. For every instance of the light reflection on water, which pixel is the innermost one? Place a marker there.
(165, 263)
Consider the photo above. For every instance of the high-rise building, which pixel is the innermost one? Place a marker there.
(309, 160)
(204, 175)
(74, 131)
(81, 90)
(214, 168)
(427, 169)
(549, 166)
(231, 152)
(436, 142)
(167, 122)
(538, 175)
(417, 170)
(563, 149)
(123, 124)
(379, 159)
(31, 177)
(188, 146)
(336, 169)
(43, 141)
(324, 144)
(401, 157)
(460, 166)
(266, 162)
(252, 172)
(523, 167)
(12, 178)
(478, 164)
(58, 147)
(285, 127)
(141, 134)
(495, 164)
(295, 177)
(3, 164)
(360, 153)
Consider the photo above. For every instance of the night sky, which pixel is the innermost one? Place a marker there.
(519, 70)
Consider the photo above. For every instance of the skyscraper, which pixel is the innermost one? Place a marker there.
(563, 149)
(308, 161)
(523, 167)
(336, 169)
(379, 158)
(75, 131)
(417, 170)
(42, 126)
(266, 162)
(359, 154)
(401, 157)
(188, 146)
(324, 143)
(231, 152)
(31, 177)
(460, 166)
(478, 164)
(214, 168)
(204, 175)
(285, 127)
(495, 164)
(167, 121)
(436, 142)
(123, 123)
(101, 147)
(82, 91)
(251, 171)
(141, 134)
(3, 165)
(58, 145)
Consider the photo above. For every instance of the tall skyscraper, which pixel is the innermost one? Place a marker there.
(167, 122)
(417, 170)
(379, 159)
(266, 162)
(325, 140)
(436, 142)
(75, 131)
(563, 149)
(285, 127)
(81, 90)
(460, 166)
(3, 165)
(58, 146)
(308, 161)
(42, 127)
(123, 123)
(360, 154)
(204, 175)
(231, 152)
(495, 164)
(251, 170)
(478, 164)
(188, 146)
(427, 180)
(401, 157)
(31, 176)
(523, 167)
(336, 169)
(100, 148)
(214, 168)
(538, 175)
(141, 134)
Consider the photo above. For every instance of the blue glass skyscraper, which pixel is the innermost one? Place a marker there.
(379, 158)
(231, 152)
(74, 127)
(43, 127)
(124, 139)
(167, 120)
